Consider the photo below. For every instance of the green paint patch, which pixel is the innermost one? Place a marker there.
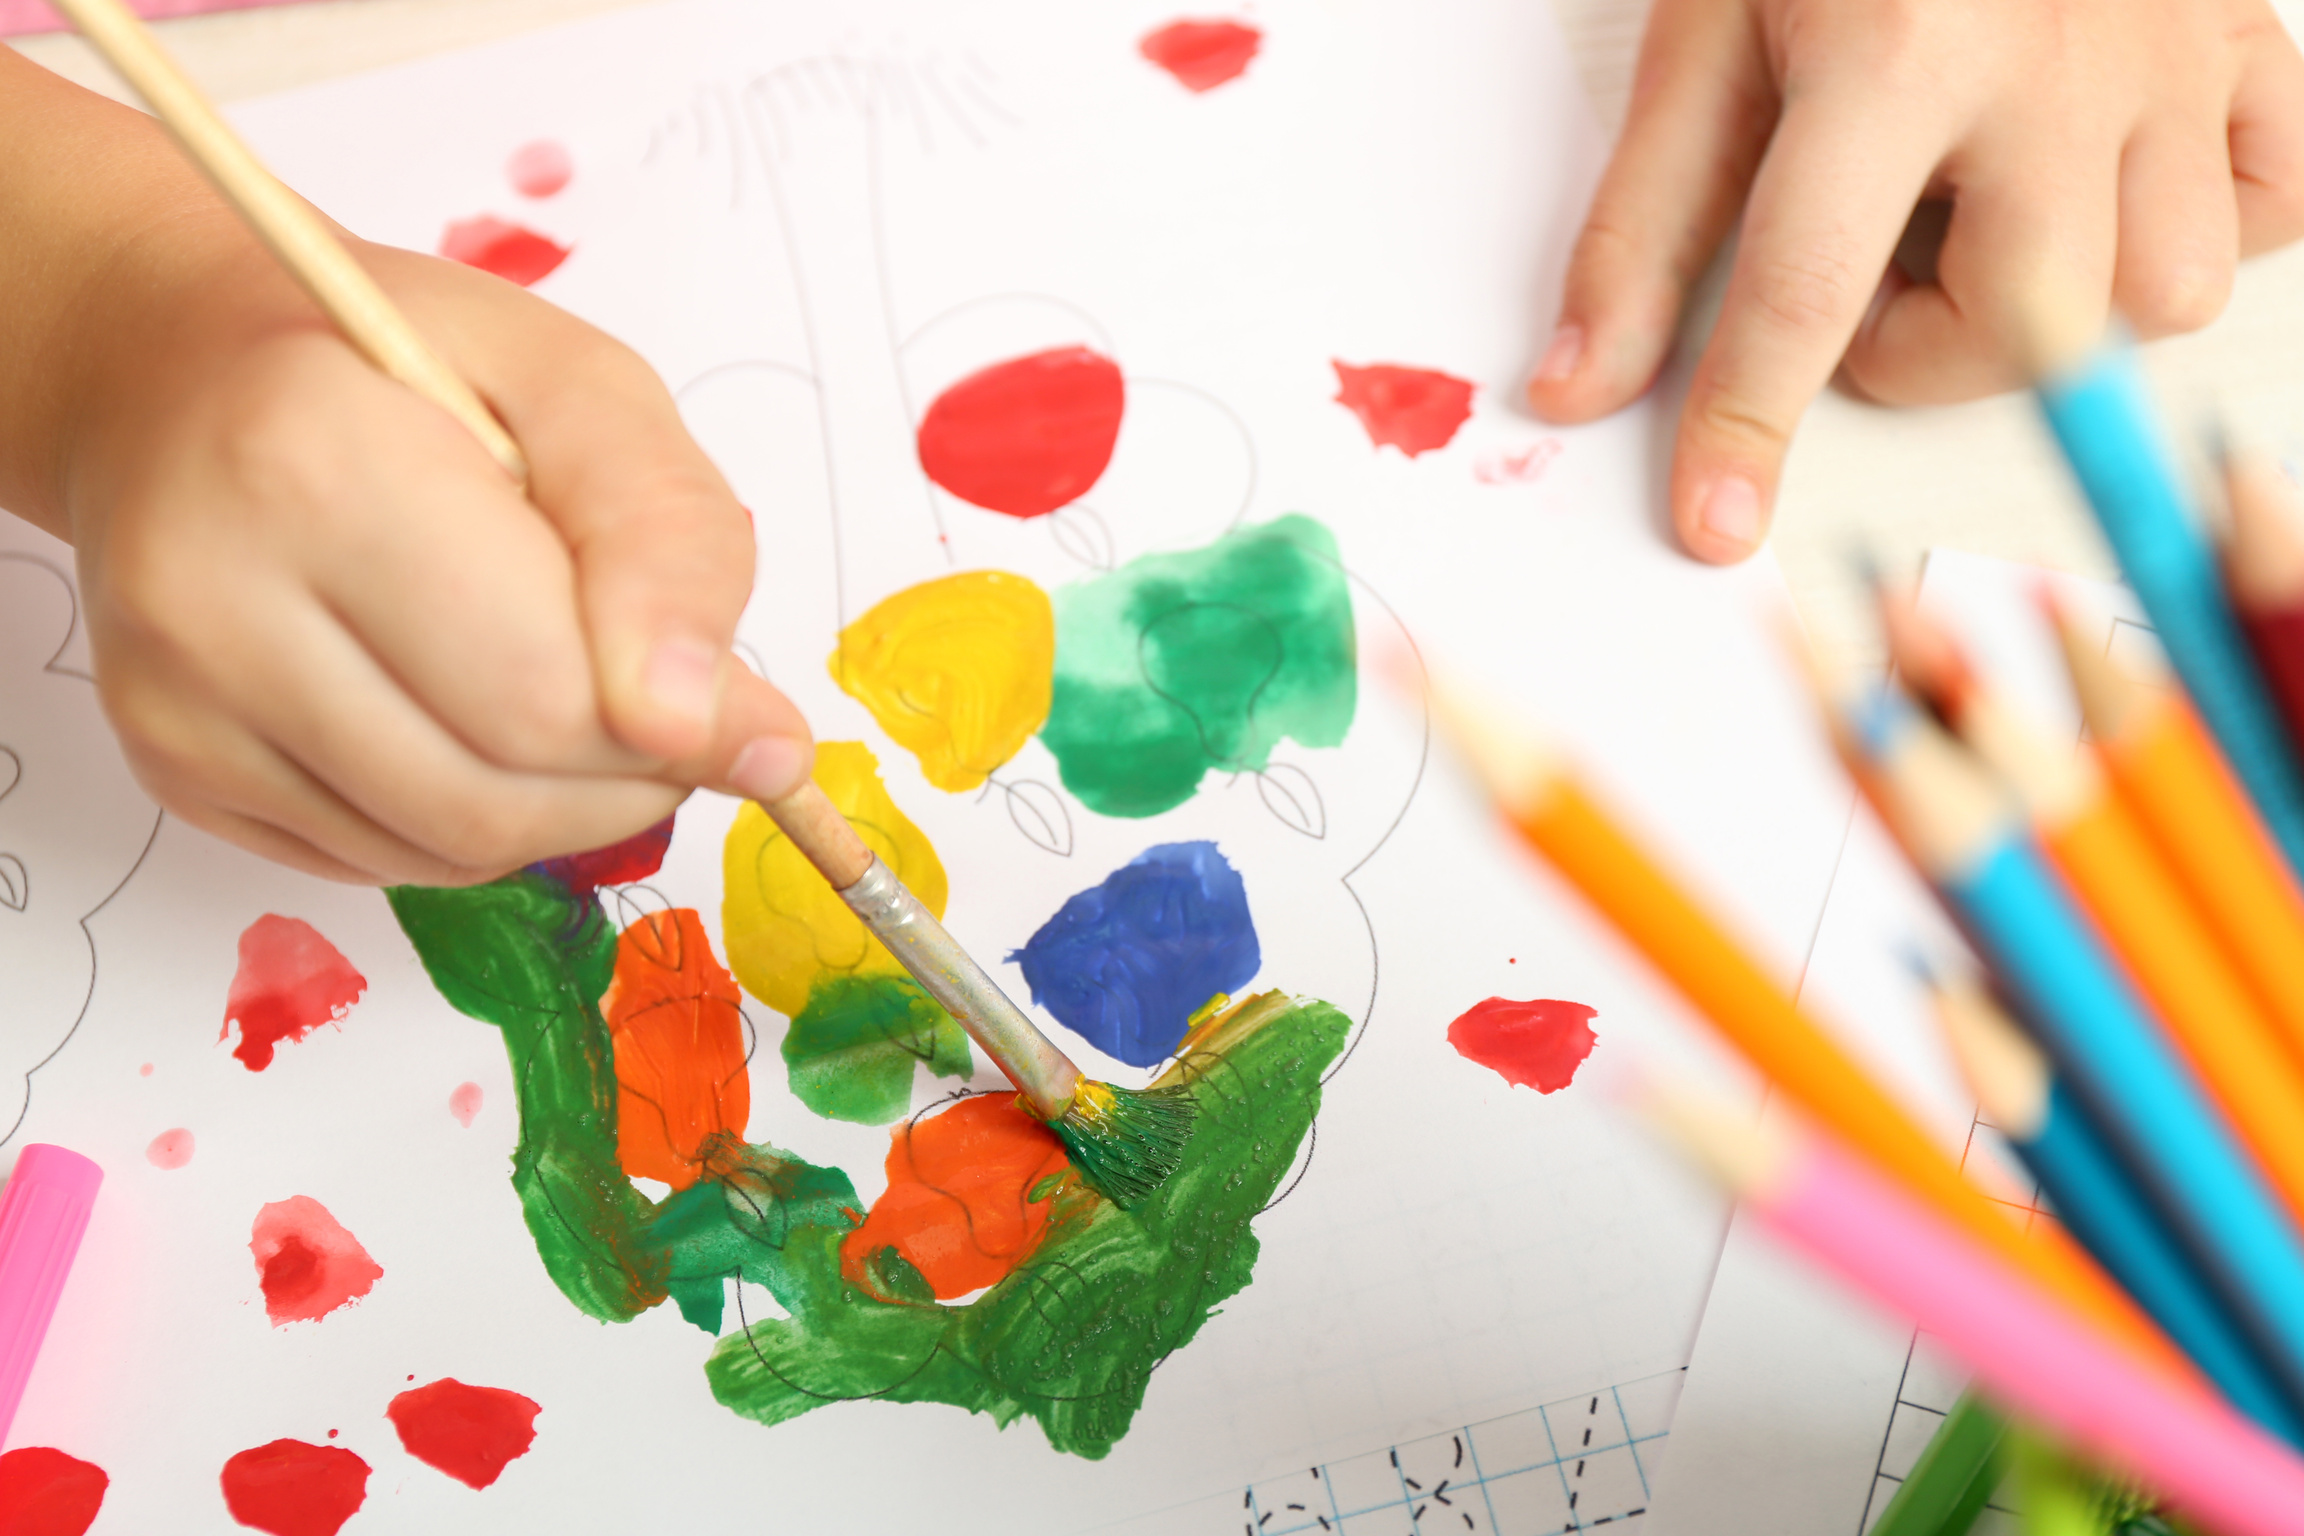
(1176, 664)
(1071, 1336)
(850, 1051)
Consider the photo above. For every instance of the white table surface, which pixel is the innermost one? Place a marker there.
(1978, 477)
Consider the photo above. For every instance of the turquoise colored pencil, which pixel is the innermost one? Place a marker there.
(2102, 417)
(2021, 1094)
(1949, 1485)
(2134, 1087)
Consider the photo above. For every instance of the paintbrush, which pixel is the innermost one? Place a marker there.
(297, 235)
(1125, 1141)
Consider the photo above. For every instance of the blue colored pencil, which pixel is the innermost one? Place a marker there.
(2022, 1096)
(2135, 1089)
(2102, 417)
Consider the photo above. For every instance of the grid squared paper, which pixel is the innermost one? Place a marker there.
(1579, 1464)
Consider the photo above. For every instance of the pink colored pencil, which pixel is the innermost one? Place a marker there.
(42, 1215)
(2028, 1353)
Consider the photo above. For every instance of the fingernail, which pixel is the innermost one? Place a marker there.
(1560, 358)
(1731, 512)
(680, 676)
(769, 767)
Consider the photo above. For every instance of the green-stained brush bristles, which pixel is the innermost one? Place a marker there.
(1126, 1141)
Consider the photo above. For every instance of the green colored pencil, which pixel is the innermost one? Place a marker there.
(1956, 1473)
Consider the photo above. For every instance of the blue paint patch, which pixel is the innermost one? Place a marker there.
(1127, 964)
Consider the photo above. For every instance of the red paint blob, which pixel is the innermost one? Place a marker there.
(44, 1492)
(539, 169)
(290, 1488)
(1202, 55)
(1413, 409)
(515, 254)
(1537, 1045)
(635, 858)
(957, 1204)
(682, 1088)
(169, 1149)
(1028, 435)
(470, 1433)
(307, 1263)
(290, 982)
(464, 1103)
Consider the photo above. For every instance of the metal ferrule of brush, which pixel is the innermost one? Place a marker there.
(946, 972)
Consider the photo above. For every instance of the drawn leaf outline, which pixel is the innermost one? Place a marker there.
(1290, 795)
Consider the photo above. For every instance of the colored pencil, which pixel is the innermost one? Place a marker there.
(1952, 1481)
(1546, 806)
(2057, 1498)
(2029, 1352)
(2264, 567)
(2019, 1092)
(2169, 772)
(2102, 417)
(2098, 845)
(297, 235)
(43, 1214)
(1962, 833)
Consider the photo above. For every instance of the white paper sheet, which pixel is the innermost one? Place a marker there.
(952, 185)
(1804, 1405)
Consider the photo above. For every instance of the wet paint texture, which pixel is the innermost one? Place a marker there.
(513, 253)
(1028, 435)
(44, 1492)
(1412, 409)
(290, 1488)
(1177, 664)
(1202, 55)
(529, 956)
(858, 1022)
(1127, 963)
(470, 1433)
(960, 1210)
(957, 671)
(169, 1150)
(290, 982)
(635, 858)
(307, 1264)
(1071, 1335)
(672, 1015)
(1537, 1044)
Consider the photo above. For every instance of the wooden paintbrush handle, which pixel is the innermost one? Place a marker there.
(822, 834)
(285, 222)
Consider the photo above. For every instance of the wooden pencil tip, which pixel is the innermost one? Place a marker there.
(1746, 1151)
(2006, 1071)
(2264, 554)
(1514, 764)
(2111, 697)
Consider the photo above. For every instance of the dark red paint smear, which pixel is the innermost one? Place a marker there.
(515, 254)
(307, 1263)
(290, 982)
(470, 1433)
(44, 1492)
(1413, 409)
(635, 858)
(1028, 435)
(1537, 1045)
(1202, 55)
(290, 1488)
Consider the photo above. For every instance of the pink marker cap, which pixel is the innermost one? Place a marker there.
(43, 1213)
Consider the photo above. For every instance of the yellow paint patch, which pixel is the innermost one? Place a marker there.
(784, 927)
(958, 671)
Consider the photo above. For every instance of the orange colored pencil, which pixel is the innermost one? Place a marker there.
(2171, 774)
(2097, 842)
(1554, 814)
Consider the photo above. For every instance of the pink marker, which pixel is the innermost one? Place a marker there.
(42, 1215)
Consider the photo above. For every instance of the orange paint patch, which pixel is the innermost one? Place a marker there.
(680, 1075)
(958, 1205)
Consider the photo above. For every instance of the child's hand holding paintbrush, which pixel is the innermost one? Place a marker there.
(326, 624)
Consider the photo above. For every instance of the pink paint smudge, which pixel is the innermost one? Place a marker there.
(464, 1103)
(290, 982)
(539, 169)
(1536, 1044)
(513, 253)
(170, 1149)
(1412, 409)
(1202, 55)
(1524, 467)
(306, 1262)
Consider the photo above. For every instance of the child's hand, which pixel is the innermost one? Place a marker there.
(325, 625)
(2122, 153)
